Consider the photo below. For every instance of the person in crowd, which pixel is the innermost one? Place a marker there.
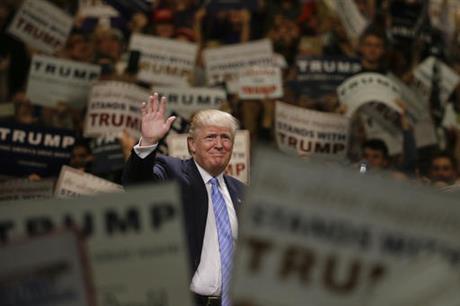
(336, 42)
(442, 169)
(14, 59)
(109, 47)
(223, 27)
(210, 198)
(164, 23)
(78, 47)
(372, 48)
(81, 156)
(24, 110)
(375, 153)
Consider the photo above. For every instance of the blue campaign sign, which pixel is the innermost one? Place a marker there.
(222, 5)
(27, 149)
(320, 76)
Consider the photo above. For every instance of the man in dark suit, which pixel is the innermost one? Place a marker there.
(210, 198)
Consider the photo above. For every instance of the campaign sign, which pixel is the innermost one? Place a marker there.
(107, 153)
(352, 19)
(41, 25)
(448, 78)
(113, 107)
(25, 189)
(74, 183)
(329, 236)
(307, 133)
(260, 83)
(52, 80)
(368, 87)
(223, 64)
(27, 149)
(47, 270)
(164, 61)
(319, 76)
(185, 101)
(135, 241)
(238, 167)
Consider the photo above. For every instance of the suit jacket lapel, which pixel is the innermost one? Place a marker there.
(234, 194)
(197, 205)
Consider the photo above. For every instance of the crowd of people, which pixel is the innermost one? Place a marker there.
(295, 29)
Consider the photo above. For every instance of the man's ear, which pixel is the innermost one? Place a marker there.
(191, 145)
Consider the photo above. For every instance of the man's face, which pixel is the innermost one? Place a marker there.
(375, 158)
(442, 170)
(372, 49)
(211, 147)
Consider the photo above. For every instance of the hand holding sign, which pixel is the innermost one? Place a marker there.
(154, 126)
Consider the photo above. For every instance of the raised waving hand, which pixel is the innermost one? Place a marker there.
(154, 125)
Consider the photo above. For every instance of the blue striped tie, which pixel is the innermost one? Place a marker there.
(224, 234)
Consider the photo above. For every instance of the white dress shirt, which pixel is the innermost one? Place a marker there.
(207, 278)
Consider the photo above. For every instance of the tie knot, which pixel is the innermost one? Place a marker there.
(214, 181)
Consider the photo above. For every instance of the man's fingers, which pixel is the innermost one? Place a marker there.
(154, 102)
(144, 108)
(162, 107)
(170, 121)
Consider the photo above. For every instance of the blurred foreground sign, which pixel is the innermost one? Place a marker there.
(320, 235)
(56, 274)
(135, 241)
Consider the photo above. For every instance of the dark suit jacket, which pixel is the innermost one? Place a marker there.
(193, 192)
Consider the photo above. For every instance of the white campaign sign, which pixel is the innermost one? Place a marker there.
(306, 133)
(187, 101)
(238, 166)
(53, 80)
(449, 79)
(224, 63)
(260, 83)
(351, 18)
(25, 189)
(327, 235)
(114, 107)
(74, 183)
(164, 61)
(135, 241)
(41, 25)
(368, 87)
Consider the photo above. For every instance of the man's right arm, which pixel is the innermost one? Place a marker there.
(140, 164)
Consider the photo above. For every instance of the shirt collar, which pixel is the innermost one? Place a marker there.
(207, 177)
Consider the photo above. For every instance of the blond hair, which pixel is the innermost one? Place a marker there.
(213, 117)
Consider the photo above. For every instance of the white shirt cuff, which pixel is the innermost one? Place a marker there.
(144, 151)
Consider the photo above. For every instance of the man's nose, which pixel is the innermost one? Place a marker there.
(219, 142)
